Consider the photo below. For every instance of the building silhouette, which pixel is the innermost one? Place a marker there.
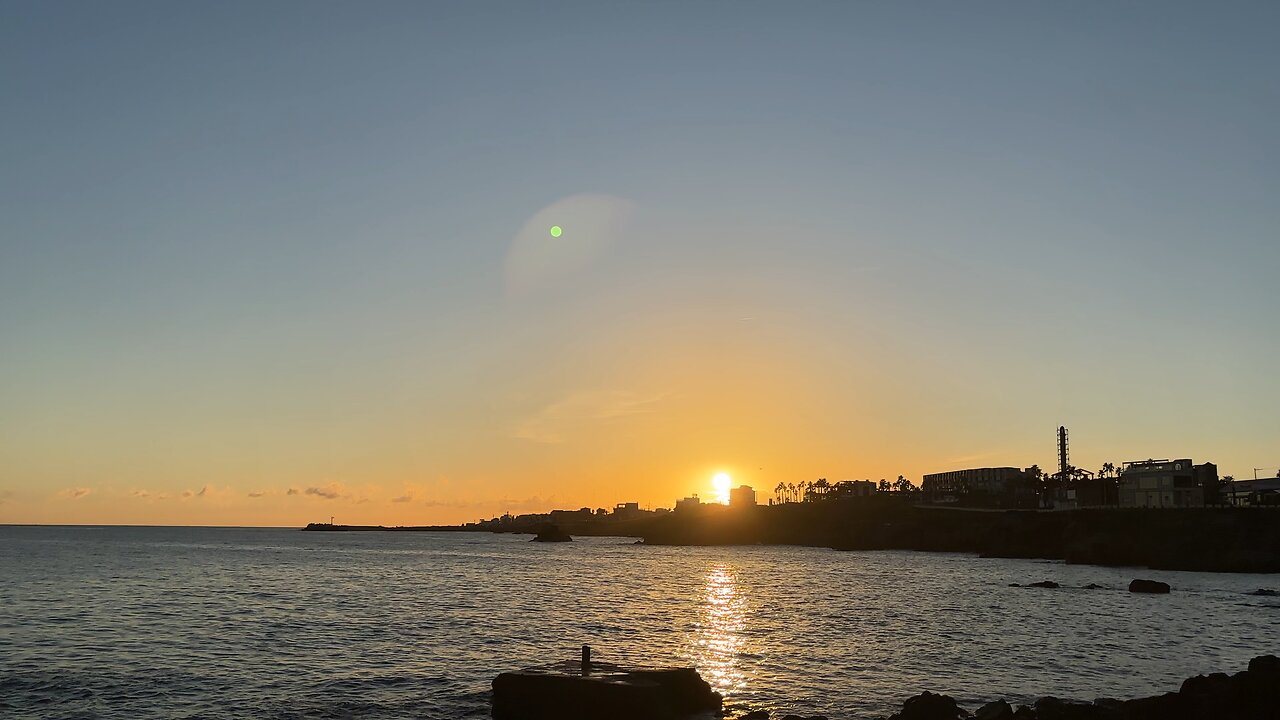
(742, 496)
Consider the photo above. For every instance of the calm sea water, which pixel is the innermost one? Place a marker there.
(267, 623)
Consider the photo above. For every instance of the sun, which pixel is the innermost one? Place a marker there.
(722, 482)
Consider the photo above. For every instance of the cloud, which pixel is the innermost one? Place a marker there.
(332, 491)
(963, 459)
(531, 504)
(294, 491)
(187, 493)
(203, 491)
(560, 419)
(402, 499)
(75, 493)
(141, 493)
(256, 494)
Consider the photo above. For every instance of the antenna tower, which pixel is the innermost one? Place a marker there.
(1062, 451)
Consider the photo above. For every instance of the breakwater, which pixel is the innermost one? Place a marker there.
(1202, 539)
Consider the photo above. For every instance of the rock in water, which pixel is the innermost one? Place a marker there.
(603, 692)
(1044, 584)
(998, 710)
(929, 706)
(548, 532)
(1148, 586)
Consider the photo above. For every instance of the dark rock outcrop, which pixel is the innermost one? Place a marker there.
(929, 706)
(1253, 694)
(602, 692)
(1044, 584)
(1148, 586)
(549, 532)
(1264, 592)
(998, 710)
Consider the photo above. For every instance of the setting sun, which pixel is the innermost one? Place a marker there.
(722, 482)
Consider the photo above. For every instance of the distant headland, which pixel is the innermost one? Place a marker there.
(1163, 514)
(1205, 539)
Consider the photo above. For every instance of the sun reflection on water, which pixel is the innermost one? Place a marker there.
(720, 638)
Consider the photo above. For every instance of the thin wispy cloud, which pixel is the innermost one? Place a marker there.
(75, 493)
(558, 421)
(963, 459)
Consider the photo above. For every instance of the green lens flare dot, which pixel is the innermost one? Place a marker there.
(555, 231)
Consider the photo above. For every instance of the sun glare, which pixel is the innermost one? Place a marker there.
(722, 482)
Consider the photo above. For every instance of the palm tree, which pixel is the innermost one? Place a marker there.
(821, 487)
(779, 489)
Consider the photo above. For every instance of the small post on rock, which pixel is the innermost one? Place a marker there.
(586, 659)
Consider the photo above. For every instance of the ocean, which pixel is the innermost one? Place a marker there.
(125, 622)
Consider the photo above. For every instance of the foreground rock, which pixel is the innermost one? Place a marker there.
(601, 691)
(1149, 586)
(551, 533)
(1253, 694)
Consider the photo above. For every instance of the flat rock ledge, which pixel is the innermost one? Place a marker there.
(1252, 694)
(602, 691)
(548, 532)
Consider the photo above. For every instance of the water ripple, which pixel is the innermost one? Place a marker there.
(245, 623)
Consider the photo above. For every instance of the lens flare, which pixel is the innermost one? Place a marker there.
(555, 231)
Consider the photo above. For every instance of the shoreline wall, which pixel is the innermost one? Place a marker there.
(1203, 539)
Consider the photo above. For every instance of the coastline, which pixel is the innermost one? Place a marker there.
(1237, 540)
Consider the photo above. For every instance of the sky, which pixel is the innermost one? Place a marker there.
(272, 263)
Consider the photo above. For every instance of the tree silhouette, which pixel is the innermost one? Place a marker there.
(883, 486)
(820, 488)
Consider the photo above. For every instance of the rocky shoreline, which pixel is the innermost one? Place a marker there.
(1203, 539)
(1252, 694)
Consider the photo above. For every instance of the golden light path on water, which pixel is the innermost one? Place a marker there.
(721, 633)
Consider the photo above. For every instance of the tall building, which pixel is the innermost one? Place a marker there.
(742, 496)
(1165, 483)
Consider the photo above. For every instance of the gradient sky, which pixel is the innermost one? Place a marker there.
(264, 263)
